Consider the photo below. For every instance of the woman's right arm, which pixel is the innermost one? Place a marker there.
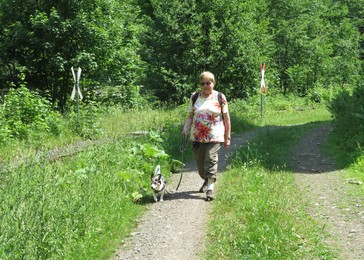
(188, 124)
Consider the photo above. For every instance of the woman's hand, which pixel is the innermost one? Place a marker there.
(227, 130)
(227, 143)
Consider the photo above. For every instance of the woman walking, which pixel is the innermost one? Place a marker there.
(208, 124)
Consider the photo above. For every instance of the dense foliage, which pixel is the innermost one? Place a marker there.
(348, 112)
(25, 113)
(185, 38)
(44, 39)
(160, 47)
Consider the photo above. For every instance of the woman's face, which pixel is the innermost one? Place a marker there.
(206, 84)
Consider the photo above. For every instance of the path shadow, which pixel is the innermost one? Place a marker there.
(185, 195)
(178, 195)
(308, 155)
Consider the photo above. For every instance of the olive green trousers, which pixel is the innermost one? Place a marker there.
(206, 155)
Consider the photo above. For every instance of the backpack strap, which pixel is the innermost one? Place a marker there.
(219, 98)
(194, 97)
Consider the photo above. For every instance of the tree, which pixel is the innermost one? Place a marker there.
(43, 39)
(184, 38)
(315, 44)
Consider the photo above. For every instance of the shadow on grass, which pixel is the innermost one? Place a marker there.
(299, 148)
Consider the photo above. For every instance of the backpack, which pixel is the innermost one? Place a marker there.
(219, 98)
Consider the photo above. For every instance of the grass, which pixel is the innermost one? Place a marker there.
(351, 163)
(78, 208)
(277, 110)
(259, 213)
(258, 216)
(355, 172)
(83, 206)
(37, 142)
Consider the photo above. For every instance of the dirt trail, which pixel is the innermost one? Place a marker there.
(327, 193)
(176, 228)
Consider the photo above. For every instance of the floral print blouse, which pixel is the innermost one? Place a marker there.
(207, 124)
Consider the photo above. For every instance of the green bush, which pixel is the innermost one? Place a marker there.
(347, 109)
(23, 112)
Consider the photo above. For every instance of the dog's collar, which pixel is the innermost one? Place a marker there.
(164, 186)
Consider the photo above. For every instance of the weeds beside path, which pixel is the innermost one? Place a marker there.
(328, 197)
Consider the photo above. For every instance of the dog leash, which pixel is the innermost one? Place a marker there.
(182, 149)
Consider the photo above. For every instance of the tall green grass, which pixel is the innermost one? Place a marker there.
(258, 216)
(82, 206)
(355, 173)
(76, 208)
(259, 213)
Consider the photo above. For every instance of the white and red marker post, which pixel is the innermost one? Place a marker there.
(263, 87)
(76, 92)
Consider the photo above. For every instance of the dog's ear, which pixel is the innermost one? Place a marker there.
(157, 170)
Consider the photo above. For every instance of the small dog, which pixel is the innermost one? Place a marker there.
(158, 184)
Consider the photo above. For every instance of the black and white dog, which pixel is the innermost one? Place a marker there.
(158, 184)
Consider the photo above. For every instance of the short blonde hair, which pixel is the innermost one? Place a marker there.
(209, 75)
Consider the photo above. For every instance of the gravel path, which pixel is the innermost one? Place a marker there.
(176, 228)
(328, 195)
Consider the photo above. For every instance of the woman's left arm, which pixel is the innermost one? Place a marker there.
(227, 130)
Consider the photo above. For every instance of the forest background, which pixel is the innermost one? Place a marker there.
(132, 51)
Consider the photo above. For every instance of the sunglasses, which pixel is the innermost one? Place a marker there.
(208, 83)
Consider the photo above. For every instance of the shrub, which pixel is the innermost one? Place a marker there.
(26, 111)
(347, 109)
